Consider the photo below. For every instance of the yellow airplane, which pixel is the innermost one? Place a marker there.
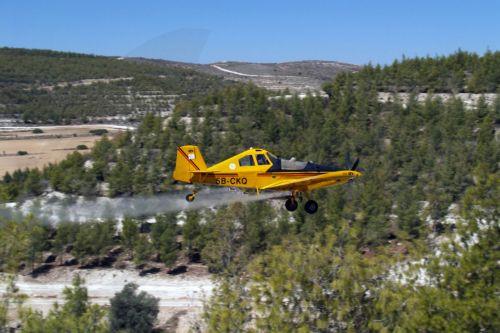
(260, 170)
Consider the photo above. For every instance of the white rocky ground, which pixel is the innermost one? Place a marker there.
(64, 127)
(469, 99)
(180, 295)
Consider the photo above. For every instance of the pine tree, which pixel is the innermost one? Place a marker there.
(130, 232)
(142, 250)
(133, 311)
(192, 234)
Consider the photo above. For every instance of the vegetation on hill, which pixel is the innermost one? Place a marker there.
(370, 259)
(327, 284)
(43, 86)
(427, 152)
(27, 66)
(460, 72)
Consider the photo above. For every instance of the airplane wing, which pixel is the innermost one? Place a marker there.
(298, 183)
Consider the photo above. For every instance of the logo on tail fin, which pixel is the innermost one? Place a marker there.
(189, 157)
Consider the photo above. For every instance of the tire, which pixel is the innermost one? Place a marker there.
(311, 207)
(291, 205)
(190, 197)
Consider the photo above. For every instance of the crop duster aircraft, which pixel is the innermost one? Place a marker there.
(260, 170)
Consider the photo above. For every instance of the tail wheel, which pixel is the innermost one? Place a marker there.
(190, 197)
(291, 204)
(311, 207)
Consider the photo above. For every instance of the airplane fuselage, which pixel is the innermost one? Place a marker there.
(260, 170)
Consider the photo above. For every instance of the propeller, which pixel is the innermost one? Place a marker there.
(350, 165)
(355, 165)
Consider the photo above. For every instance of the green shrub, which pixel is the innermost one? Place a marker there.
(131, 311)
(37, 131)
(98, 131)
(93, 238)
(82, 147)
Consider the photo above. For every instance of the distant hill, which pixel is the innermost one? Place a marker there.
(297, 76)
(60, 87)
(43, 86)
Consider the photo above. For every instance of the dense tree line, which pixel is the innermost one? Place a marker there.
(224, 240)
(460, 72)
(427, 152)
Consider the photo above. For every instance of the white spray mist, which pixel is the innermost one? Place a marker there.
(57, 207)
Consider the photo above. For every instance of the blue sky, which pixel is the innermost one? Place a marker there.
(261, 31)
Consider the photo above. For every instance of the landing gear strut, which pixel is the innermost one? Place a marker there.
(291, 204)
(191, 196)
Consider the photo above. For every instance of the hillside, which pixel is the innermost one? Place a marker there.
(411, 246)
(460, 72)
(59, 87)
(43, 86)
(296, 76)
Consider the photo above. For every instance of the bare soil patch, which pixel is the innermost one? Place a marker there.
(51, 146)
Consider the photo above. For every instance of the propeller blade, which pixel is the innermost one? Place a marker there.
(355, 165)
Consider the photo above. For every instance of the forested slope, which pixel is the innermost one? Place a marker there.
(59, 87)
(371, 259)
(460, 72)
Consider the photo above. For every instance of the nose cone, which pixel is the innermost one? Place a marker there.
(357, 174)
(353, 175)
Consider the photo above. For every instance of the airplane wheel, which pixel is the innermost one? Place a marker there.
(311, 207)
(291, 205)
(190, 197)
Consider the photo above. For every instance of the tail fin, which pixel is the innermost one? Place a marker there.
(188, 159)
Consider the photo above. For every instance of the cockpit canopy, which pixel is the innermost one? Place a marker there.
(281, 164)
(261, 157)
(248, 160)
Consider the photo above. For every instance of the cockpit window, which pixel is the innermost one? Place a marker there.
(272, 157)
(262, 160)
(292, 164)
(246, 161)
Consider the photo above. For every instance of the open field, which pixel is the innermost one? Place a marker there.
(48, 147)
